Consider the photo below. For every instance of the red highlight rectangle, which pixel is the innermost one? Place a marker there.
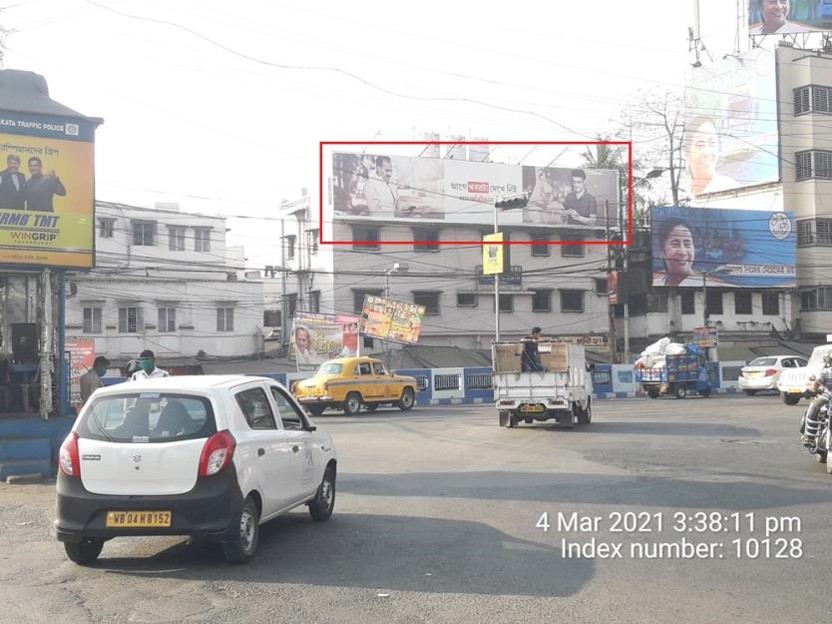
(472, 188)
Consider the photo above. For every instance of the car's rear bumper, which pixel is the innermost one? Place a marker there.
(208, 509)
(757, 383)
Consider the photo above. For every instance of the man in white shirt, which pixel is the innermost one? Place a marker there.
(382, 196)
(147, 367)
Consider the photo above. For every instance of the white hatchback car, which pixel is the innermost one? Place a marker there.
(763, 373)
(207, 456)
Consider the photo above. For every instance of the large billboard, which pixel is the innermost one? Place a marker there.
(731, 138)
(781, 17)
(694, 247)
(388, 319)
(459, 191)
(317, 338)
(46, 190)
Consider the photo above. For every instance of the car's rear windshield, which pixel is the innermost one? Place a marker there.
(764, 361)
(330, 369)
(143, 417)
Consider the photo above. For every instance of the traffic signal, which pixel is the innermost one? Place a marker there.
(520, 201)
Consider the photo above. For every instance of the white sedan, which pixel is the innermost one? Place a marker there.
(763, 373)
(206, 456)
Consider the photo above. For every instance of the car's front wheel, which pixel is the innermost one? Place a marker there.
(321, 507)
(241, 541)
(84, 552)
(408, 399)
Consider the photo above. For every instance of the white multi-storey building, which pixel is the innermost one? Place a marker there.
(165, 280)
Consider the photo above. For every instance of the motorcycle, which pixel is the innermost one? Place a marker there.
(819, 430)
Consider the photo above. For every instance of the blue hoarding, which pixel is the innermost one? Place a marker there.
(720, 247)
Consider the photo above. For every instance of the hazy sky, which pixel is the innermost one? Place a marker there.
(231, 127)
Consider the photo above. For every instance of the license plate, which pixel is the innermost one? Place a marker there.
(796, 391)
(532, 409)
(138, 519)
(753, 375)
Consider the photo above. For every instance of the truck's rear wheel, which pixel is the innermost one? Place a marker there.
(585, 415)
(504, 416)
(681, 391)
(512, 420)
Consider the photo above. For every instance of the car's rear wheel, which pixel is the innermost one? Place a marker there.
(790, 399)
(84, 552)
(315, 410)
(321, 507)
(241, 541)
(352, 404)
(408, 399)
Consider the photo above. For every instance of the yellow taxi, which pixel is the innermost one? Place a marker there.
(348, 383)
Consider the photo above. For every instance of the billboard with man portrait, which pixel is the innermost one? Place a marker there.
(46, 190)
(695, 247)
(731, 137)
(387, 187)
(317, 338)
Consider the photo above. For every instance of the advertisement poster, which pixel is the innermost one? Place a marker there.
(731, 138)
(706, 337)
(317, 338)
(694, 247)
(46, 190)
(82, 355)
(396, 321)
(773, 17)
(386, 187)
(492, 254)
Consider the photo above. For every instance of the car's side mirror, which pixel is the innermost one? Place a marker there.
(310, 428)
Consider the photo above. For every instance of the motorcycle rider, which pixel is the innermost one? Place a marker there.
(824, 378)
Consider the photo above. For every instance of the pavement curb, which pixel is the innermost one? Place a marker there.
(26, 479)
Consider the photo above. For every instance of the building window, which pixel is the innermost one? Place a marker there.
(358, 298)
(813, 164)
(202, 239)
(637, 306)
(312, 238)
(315, 301)
(429, 299)
(688, 303)
(816, 299)
(542, 300)
(742, 302)
(805, 233)
(130, 320)
(144, 233)
(425, 239)
(506, 303)
(657, 303)
(600, 286)
(466, 300)
(713, 303)
(571, 250)
(176, 238)
(106, 227)
(366, 234)
(771, 304)
(367, 343)
(225, 319)
(167, 320)
(290, 246)
(540, 250)
(571, 301)
(801, 101)
(92, 320)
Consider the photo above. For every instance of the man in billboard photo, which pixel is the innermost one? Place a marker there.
(382, 195)
(581, 206)
(702, 151)
(12, 182)
(304, 347)
(40, 189)
(775, 16)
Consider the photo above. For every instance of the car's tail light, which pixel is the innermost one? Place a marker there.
(69, 460)
(217, 453)
(771, 372)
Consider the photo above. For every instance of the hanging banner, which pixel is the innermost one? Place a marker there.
(492, 254)
(81, 357)
(317, 338)
(396, 321)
